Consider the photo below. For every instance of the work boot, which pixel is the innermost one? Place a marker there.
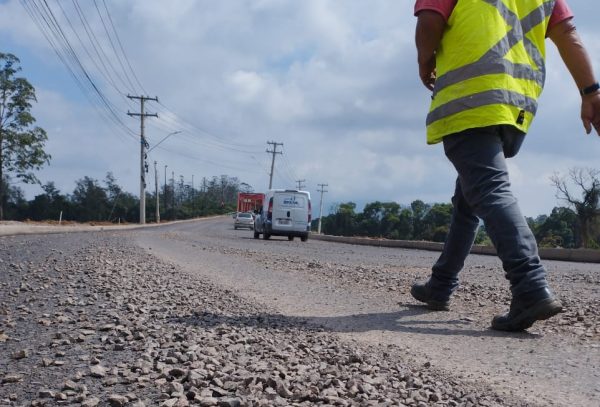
(526, 309)
(424, 293)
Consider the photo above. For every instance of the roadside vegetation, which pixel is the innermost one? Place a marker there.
(106, 201)
(576, 225)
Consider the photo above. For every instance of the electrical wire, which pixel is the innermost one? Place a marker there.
(191, 126)
(213, 163)
(94, 39)
(288, 168)
(122, 50)
(113, 47)
(104, 72)
(59, 34)
(44, 19)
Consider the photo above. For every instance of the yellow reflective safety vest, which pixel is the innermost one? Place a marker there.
(490, 66)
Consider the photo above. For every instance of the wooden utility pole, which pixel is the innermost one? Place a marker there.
(274, 151)
(165, 193)
(143, 146)
(321, 205)
(173, 197)
(156, 192)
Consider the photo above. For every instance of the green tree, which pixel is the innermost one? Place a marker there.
(404, 226)
(16, 204)
(436, 222)
(390, 219)
(419, 210)
(91, 202)
(342, 220)
(557, 230)
(123, 205)
(49, 205)
(370, 219)
(21, 145)
(482, 237)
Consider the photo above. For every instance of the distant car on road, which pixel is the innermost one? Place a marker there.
(243, 220)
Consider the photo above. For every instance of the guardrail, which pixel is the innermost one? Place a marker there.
(575, 255)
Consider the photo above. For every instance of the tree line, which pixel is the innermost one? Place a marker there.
(106, 201)
(572, 226)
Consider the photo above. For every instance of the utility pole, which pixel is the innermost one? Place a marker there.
(173, 197)
(143, 146)
(156, 191)
(181, 191)
(165, 193)
(193, 205)
(274, 151)
(321, 205)
(300, 184)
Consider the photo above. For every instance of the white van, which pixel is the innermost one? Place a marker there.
(285, 212)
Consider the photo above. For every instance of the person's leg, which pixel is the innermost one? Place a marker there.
(461, 235)
(480, 161)
(443, 282)
(479, 158)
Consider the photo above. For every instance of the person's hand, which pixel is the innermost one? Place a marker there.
(590, 112)
(427, 73)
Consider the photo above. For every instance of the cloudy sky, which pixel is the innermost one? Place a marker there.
(335, 81)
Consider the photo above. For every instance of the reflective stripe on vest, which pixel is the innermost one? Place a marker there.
(492, 62)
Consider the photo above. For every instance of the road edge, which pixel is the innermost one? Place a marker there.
(574, 255)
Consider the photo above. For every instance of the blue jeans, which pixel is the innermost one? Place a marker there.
(483, 191)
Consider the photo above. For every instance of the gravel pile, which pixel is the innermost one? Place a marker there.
(94, 321)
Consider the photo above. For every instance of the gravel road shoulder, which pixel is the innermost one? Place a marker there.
(93, 320)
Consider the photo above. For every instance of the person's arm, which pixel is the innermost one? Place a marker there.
(577, 60)
(430, 28)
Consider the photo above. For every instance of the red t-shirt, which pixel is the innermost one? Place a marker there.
(560, 13)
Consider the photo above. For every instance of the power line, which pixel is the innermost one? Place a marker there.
(220, 164)
(121, 47)
(113, 46)
(44, 18)
(85, 23)
(284, 174)
(104, 72)
(193, 128)
(290, 174)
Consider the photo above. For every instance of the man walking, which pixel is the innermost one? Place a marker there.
(484, 60)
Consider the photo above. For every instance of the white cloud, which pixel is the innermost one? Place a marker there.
(334, 80)
(248, 86)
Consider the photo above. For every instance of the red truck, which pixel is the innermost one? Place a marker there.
(249, 202)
